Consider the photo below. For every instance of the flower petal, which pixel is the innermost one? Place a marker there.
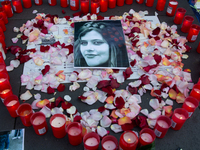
(105, 121)
(116, 128)
(124, 120)
(26, 96)
(102, 131)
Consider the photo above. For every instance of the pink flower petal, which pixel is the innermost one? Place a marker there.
(105, 121)
(26, 96)
(46, 111)
(154, 103)
(96, 116)
(154, 114)
(101, 131)
(85, 74)
(74, 87)
(33, 105)
(116, 128)
(57, 110)
(145, 112)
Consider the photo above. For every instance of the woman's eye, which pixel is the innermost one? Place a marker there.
(83, 43)
(98, 42)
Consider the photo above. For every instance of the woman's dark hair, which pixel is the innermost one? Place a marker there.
(112, 32)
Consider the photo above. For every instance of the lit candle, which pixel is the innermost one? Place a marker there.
(2, 41)
(25, 112)
(38, 2)
(64, 3)
(160, 5)
(7, 8)
(111, 3)
(3, 69)
(198, 48)
(187, 22)
(196, 92)
(171, 9)
(147, 136)
(91, 141)
(4, 81)
(6, 91)
(84, 6)
(2, 24)
(52, 2)
(193, 33)
(179, 117)
(74, 5)
(120, 2)
(5, 18)
(95, 6)
(179, 15)
(58, 125)
(12, 103)
(2, 34)
(162, 125)
(103, 5)
(17, 6)
(74, 130)
(128, 141)
(149, 3)
(139, 1)
(109, 142)
(27, 3)
(190, 104)
(128, 2)
(39, 123)
(2, 55)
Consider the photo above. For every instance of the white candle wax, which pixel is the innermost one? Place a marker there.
(74, 131)
(197, 90)
(173, 3)
(91, 141)
(2, 80)
(11, 103)
(129, 137)
(58, 122)
(109, 145)
(146, 137)
(38, 120)
(180, 116)
(189, 104)
(162, 123)
(5, 91)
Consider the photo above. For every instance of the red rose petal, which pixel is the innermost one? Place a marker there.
(50, 90)
(44, 48)
(65, 105)
(44, 30)
(59, 100)
(61, 87)
(101, 109)
(157, 58)
(139, 54)
(103, 83)
(14, 49)
(77, 119)
(99, 17)
(24, 59)
(132, 90)
(156, 31)
(135, 29)
(127, 126)
(132, 63)
(45, 70)
(108, 90)
(82, 97)
(63, 12)
(114, 84)
(24, 37)
(51, 105)
(145, 79)
(119, 102)
(70, 47)
(67, 17)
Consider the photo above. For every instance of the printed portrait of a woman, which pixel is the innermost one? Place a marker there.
(100, 44)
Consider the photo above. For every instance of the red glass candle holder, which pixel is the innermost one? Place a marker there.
(91, 141)
(103, 5)
(162, 125)
(4, 81)
(190, 104)
(38, 120)
(139, 1)
(25, 112)
(196, 92)
(17, 6)
(109, 142)
(38, 2)
(128, 141)
(85, 6)
(147, 136)
(27, 3)
(149, 3)
(187, 22)
(128, 2)
(193, 33)
(198, 48)
(52, 2)
(2, 24)
(58, 125)
(1, 33)
(2, 12)
(6, 91)
(74, 5)
(95, 6)
(64, 3)
(120, 2)
(3, 69)
(111, 4)
(74, 131)
(2, 41)
(7, 8)
(12, 103)
(171, 9)
(1, 57)
(160, 5)
(179, 15)
(179, 117)
(3, 52)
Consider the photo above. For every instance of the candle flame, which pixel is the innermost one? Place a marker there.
(5, 91)
(129, 140)
(181, 117)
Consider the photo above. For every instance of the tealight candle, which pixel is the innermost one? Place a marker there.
(25, 112)
(5, 18)
(149, 3)
(64, 3)
(17, 6)
(179, 15)
(58, 125)
(2, 57)
(2, 41)
(160, 5)
(4, 81)
(38, 2)
(27, 3)
(103, 5)
(190, 104)
(179, 117)
(95, 6)
(84, 6)
(193, 33)
(120, 2)
(171, 9)
(162, 125)
(111, 3)
(2, 24)
(128, 141)
(12, 103)
(147, 136)
(139, 1)
(128, 2)
(7, 8)
(91, 141)
(3, 69)
(74, 5)
(198, 48)
(6, 91)
(38, 120)
(109, 142)
(187, 22)
(196, 92)
(52, 2)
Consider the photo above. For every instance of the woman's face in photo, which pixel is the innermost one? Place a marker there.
(94, 49)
